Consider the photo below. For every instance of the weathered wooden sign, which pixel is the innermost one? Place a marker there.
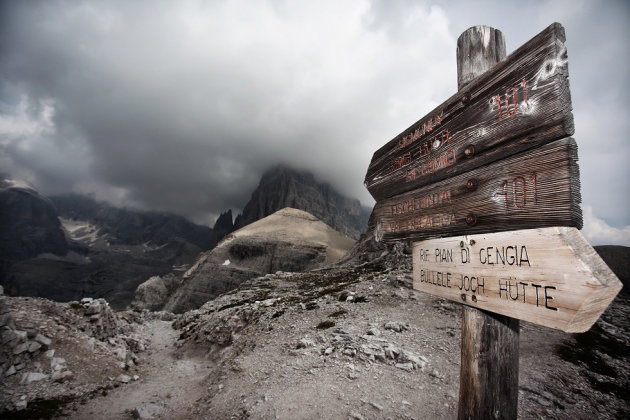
(540, 186)
(522, 102)
(548, 276)
(492, 159)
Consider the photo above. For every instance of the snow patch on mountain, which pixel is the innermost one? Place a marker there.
(81, 231)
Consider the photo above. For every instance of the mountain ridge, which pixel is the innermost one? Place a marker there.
(287, 240)
(70, 247)
(282, 186)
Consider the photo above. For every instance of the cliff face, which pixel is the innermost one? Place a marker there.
(282, 187)
(617, 257)
(28, 225)
(133, 227)
(223, 226)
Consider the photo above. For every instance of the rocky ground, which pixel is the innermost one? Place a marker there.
(54, 352)
(341, 342)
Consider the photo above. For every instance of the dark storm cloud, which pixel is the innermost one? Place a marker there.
(180, 106)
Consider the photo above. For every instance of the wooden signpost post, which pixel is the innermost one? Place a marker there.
(493, 158)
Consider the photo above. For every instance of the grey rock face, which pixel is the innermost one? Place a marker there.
(28, 225)
(155, 292)
(223, 226)
(282, 187)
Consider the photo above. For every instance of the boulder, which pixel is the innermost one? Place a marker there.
(30, 377)
(154, 293)
(148, 411)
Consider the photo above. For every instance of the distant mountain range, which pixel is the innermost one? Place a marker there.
(131, 227)
(29, 224)
(72, 246)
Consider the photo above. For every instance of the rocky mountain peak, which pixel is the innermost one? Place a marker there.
(282, 186)
(29, 225)
(223, 226)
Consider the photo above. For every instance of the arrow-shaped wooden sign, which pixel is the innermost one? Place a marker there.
(548, 276)
(522, 102)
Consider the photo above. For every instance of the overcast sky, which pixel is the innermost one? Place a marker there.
(181, 105)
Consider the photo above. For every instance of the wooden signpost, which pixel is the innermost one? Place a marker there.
(521, 102)
(493, 158)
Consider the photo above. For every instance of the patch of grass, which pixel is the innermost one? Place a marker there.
(323, 284)
(40, 409)
(291, 299)
(372, 268)
(324, 325)
(584, 350)
(609, 387)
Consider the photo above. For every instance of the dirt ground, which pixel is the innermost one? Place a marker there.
(277, 349)
(166, 386)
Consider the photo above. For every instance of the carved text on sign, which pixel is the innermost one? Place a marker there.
(419, 132)
(426, 148)
(510, 107)
(516, 192)
(422, 202)
(539, 184)
(442, 161)
(548, 276)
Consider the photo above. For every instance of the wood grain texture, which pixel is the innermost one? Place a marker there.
(489, 366)
(548, 276)
(522, 102)
(536, 188)
(489, 352)
(478, 50)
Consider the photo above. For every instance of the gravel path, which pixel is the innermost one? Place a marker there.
(166, 387)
